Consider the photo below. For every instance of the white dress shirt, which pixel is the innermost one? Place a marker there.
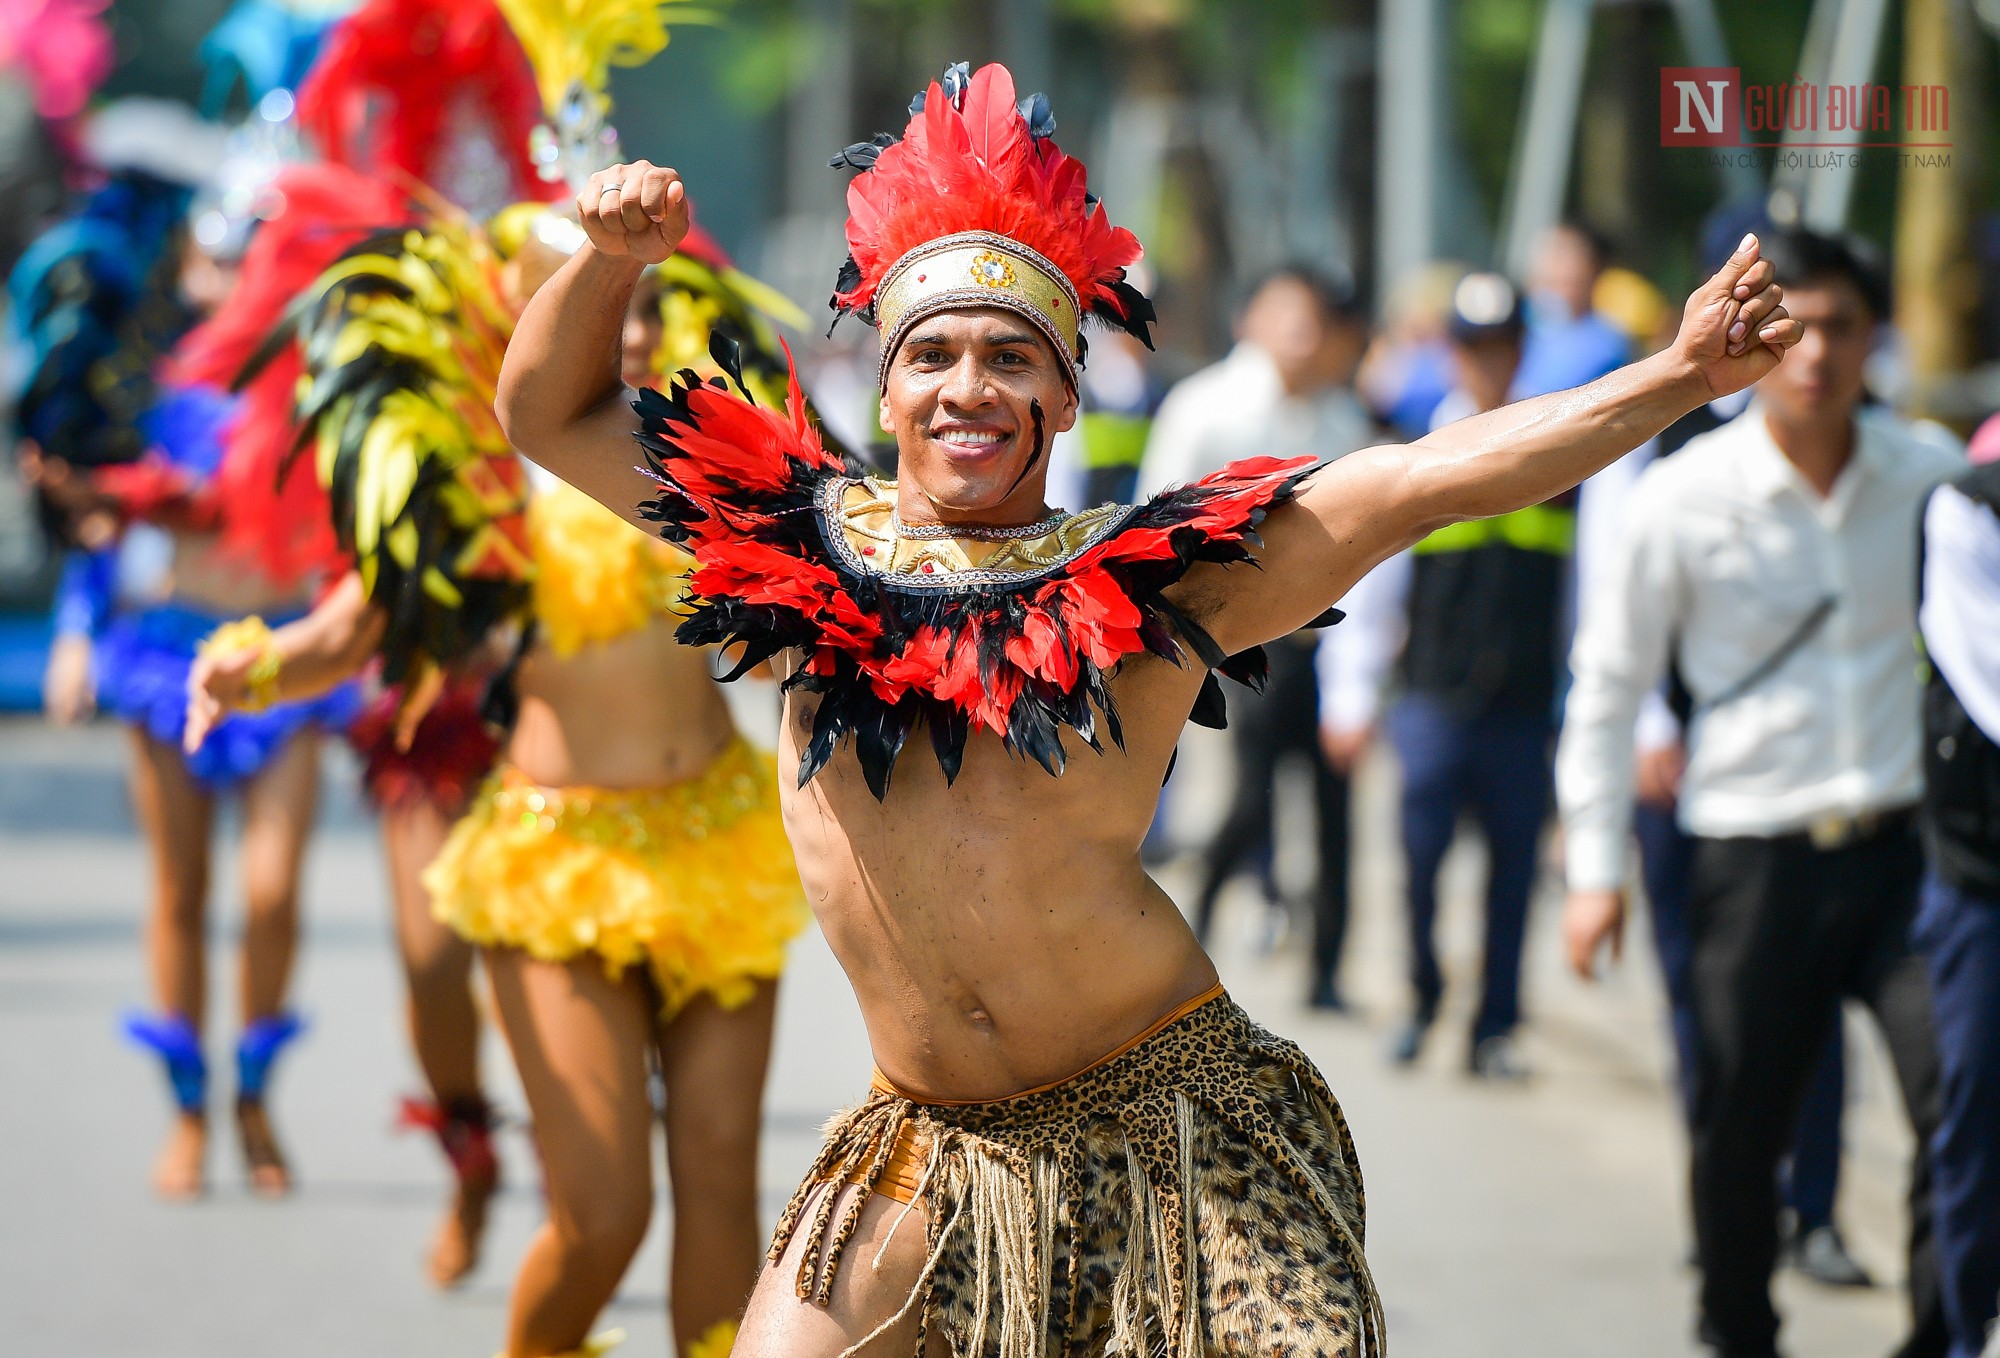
(1600, 523)
(1727, 549)
(1960, 617)
(1355, 659)
(1238, 408)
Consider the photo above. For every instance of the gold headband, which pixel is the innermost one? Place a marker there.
(978, 269)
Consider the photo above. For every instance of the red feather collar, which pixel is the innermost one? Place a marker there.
(1021, 644)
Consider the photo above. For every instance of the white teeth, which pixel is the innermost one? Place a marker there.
(968, 439)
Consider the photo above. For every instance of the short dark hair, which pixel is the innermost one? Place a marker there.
(1800, 258)
(1337, 298)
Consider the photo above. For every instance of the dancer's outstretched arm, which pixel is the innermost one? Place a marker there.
(318, 652)
(1368, 505)
(560, 399)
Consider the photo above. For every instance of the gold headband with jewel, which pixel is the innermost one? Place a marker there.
(978, 269)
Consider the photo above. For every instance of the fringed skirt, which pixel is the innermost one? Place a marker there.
(694, 881)
(1195, 1193)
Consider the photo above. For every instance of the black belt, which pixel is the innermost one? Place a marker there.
(1844, 830)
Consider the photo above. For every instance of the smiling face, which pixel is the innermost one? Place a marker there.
(960, 399)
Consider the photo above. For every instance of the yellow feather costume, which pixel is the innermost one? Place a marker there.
(596, 576)
(404, 339)
(694, 880)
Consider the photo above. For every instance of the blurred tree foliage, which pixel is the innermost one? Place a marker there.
(156, 46)
(717, 103)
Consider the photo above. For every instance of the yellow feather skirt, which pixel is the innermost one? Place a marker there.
(695, 880)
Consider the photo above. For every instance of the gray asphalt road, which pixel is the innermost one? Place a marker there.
(1544, 1220)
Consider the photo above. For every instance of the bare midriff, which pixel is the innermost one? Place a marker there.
(638, 711)
(999, 932)
(208, 577)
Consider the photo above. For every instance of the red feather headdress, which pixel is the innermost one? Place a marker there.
(272, 509)
(418, 86)
(977, 206)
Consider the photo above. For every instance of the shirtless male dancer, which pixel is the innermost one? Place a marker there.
(1103, 1154)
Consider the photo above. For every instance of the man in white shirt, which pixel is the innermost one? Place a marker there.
(1810, 1179)
(1958, 924)
(1772, 558)
(1282, 392)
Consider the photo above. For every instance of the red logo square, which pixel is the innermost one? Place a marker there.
(1700, 106)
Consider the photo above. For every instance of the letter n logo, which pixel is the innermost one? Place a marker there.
(1700, 106)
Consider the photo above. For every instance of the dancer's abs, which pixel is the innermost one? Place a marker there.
(1000, 933)
(207, 577)
(974, 996)
(635, 712)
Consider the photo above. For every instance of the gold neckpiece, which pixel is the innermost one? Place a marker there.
(976, 532)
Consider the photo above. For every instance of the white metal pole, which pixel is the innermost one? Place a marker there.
(1701, 33)
(1027, 44)
(1409, 137)
(1545, 145)
(1829, 184)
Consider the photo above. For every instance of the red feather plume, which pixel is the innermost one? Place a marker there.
(397, 80)
(273, 512)
(974, 165)
(447, 756)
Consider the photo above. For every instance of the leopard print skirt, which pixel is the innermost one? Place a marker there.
(1196, 1194)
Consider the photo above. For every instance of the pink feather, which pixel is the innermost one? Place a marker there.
(63, 48)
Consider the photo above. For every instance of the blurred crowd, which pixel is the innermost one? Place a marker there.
(1697, 673)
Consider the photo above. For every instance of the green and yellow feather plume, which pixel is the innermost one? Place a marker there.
(575, 43)
(699, 299)
(403, 339)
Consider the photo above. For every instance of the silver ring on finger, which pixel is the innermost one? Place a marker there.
(612, 188)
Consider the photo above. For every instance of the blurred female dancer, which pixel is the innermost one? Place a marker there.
(625, 872)
(371, 104)
(241, 544)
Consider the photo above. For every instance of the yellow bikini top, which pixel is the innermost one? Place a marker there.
(596, 576)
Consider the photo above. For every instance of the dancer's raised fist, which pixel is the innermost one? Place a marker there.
(639, 210)
(1735, 328)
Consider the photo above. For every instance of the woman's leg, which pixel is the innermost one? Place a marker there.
(714, 1061)
(437, 963)
(176, 813)
(444, 1030)
(278, 806)
(580, 1042)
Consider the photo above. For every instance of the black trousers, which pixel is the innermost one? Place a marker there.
(1783, 932)
(1266, 728)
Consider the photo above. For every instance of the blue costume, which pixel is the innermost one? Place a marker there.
(143, 656)
(97, 305)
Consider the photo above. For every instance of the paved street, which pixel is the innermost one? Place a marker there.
(1545, 1220)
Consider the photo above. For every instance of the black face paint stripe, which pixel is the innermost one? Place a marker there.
(1034, 409)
